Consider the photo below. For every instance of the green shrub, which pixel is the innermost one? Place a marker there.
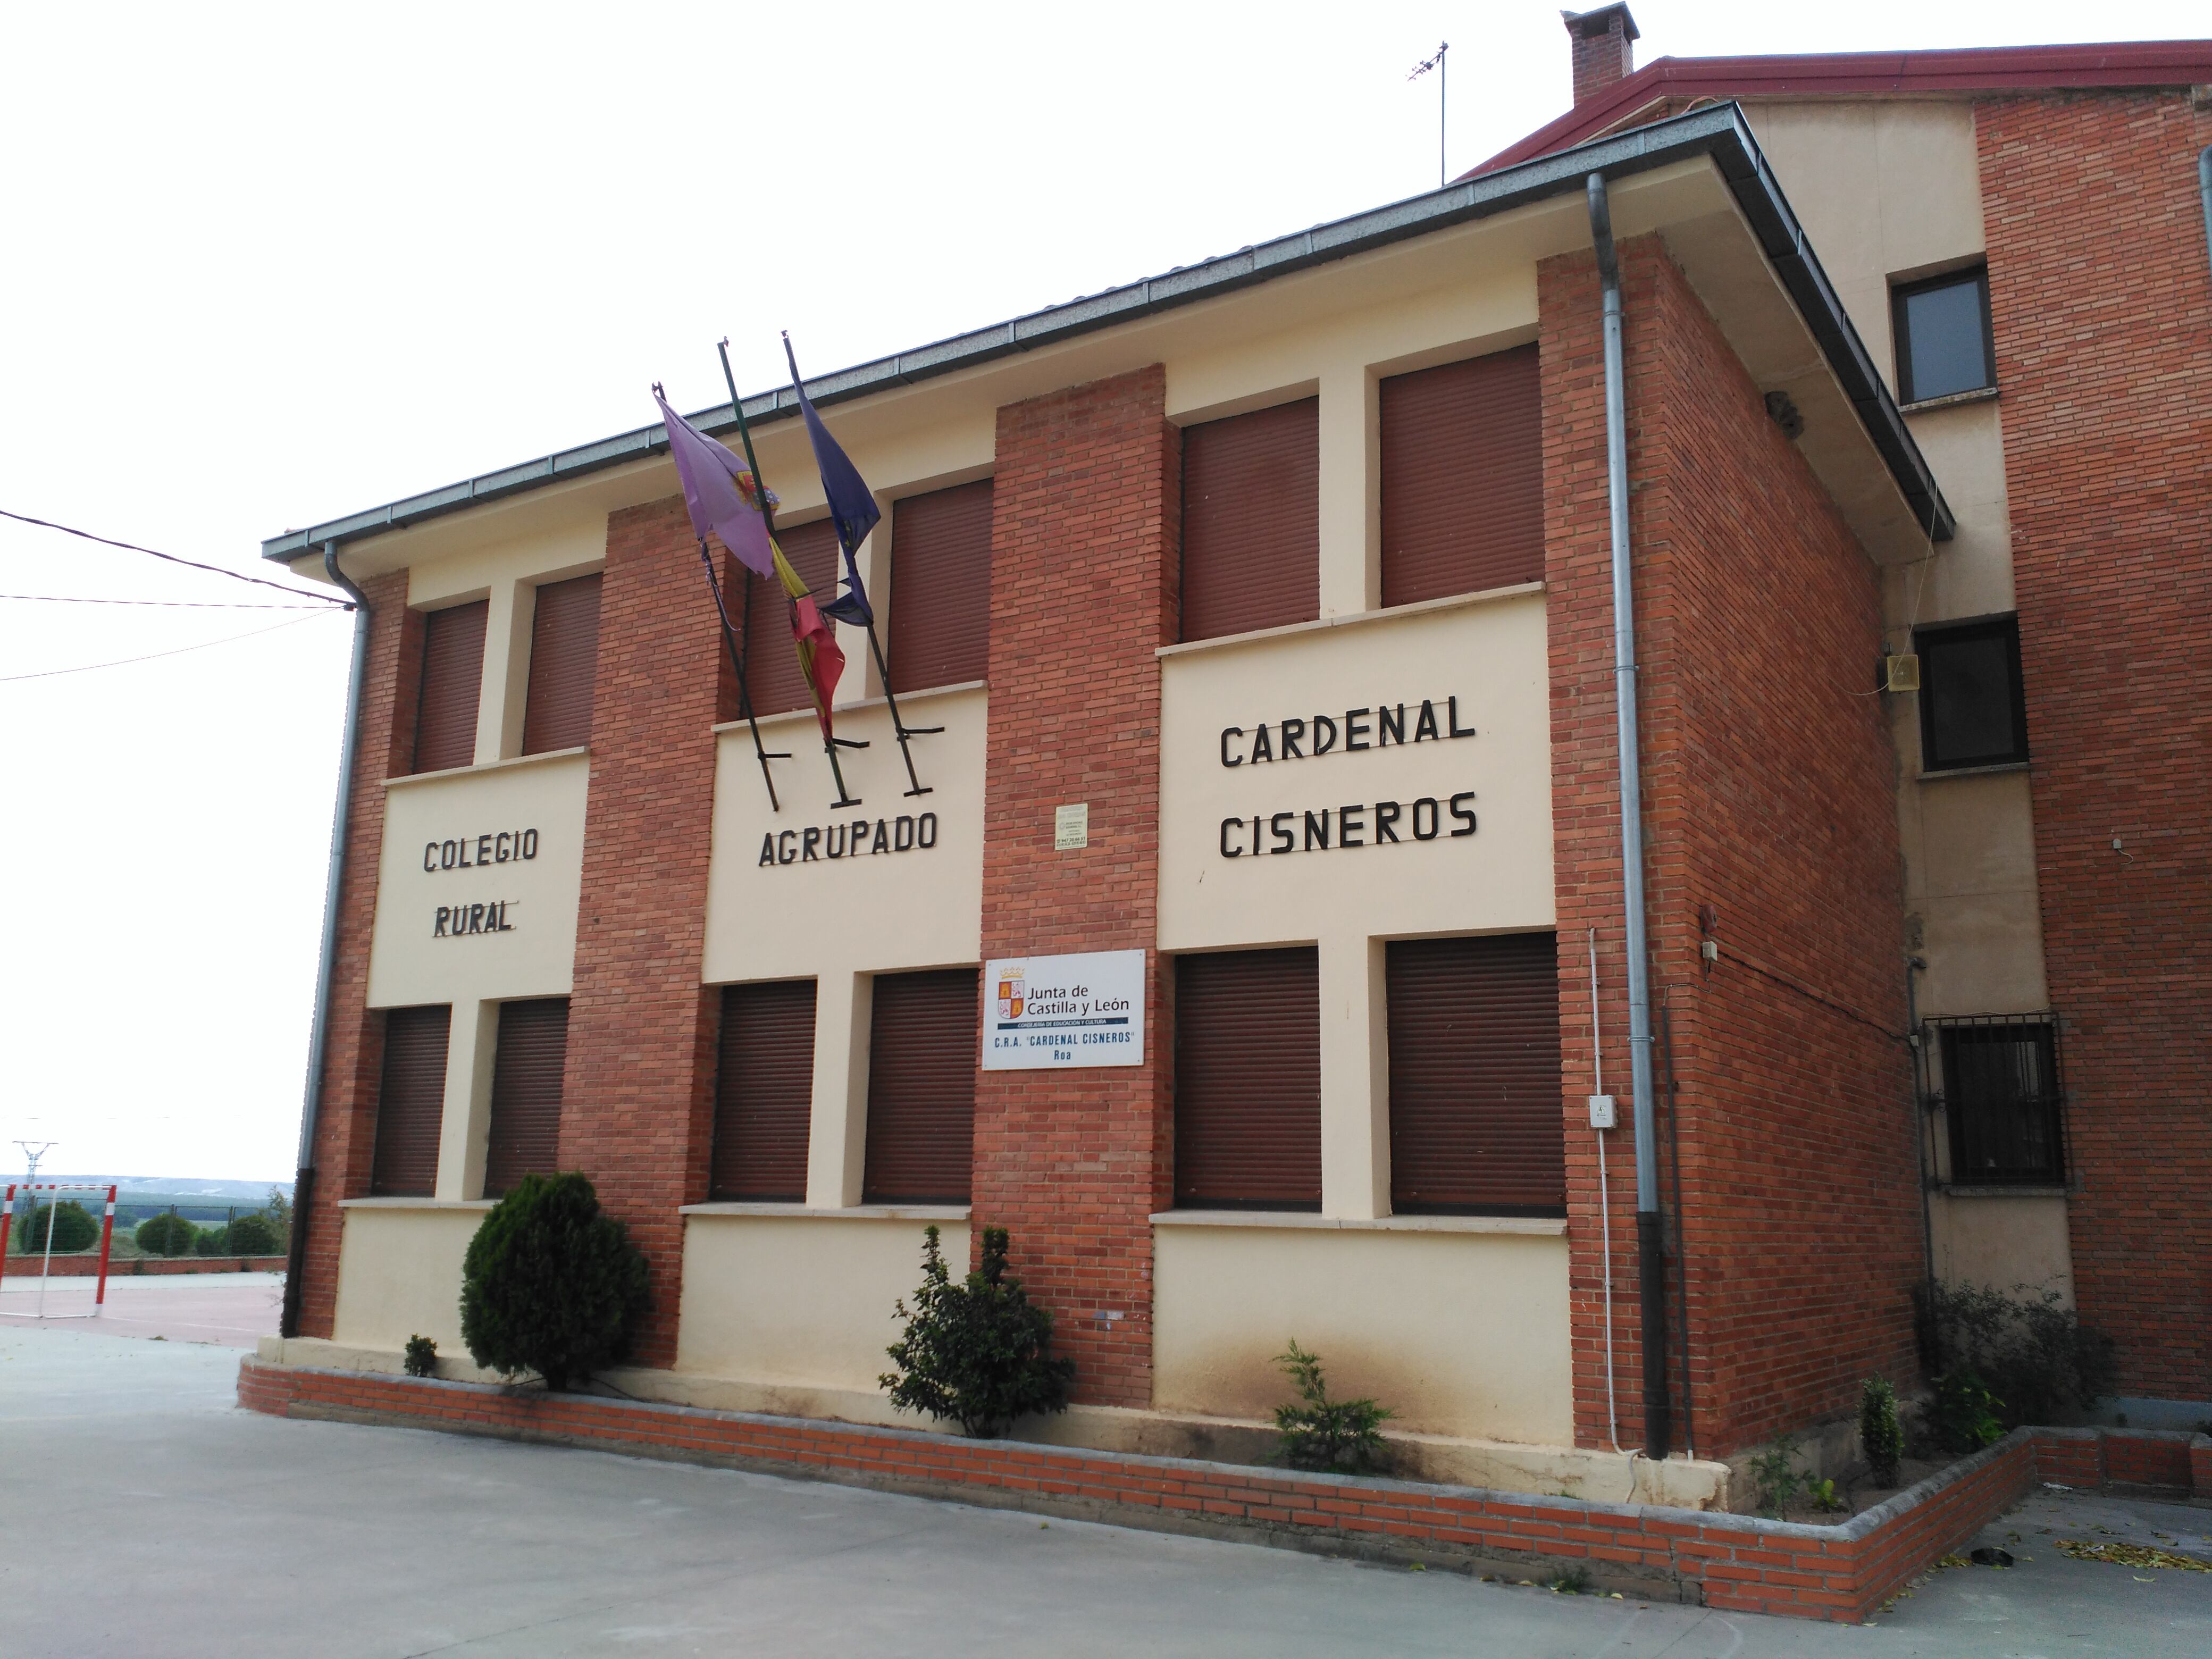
(253, 1235)
(167, 1235)
(1880, 1436)
(73, 1227)
(1774, 1479)
(212, 1241)
(1343, 1435)
(421, 1356)
(979, 1352)
(551, 1283)
(2026, 1349)
(1967, 1416)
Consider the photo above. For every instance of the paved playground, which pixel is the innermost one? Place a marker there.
(322, 1539)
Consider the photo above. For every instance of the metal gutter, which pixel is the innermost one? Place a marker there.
(1720, 132)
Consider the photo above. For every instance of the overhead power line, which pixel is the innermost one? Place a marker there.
(172, 605)
(133, 547)
(125, 662)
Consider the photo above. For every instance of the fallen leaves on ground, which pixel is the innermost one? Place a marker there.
(2131, 1555)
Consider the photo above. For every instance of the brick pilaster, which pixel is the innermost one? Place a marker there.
(1082, 592)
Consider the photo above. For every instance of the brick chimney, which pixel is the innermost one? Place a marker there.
(1600, 41)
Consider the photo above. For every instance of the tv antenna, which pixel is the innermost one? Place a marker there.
(1420, 69)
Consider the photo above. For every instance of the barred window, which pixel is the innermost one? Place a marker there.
(2002, 1101)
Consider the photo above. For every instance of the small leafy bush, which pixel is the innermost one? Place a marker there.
(212, 1241)
(2034, 1355)
(551, 1283)
(979, 1352)
(1774, 1479)
(74, 1229)
(1966, 1414)
(1823, 1496)
(1880, 1436)
(167, 1235)
(253, 1235)
(422, 1359)
(1341, 1434)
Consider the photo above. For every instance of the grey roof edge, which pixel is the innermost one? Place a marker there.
(1719, 131)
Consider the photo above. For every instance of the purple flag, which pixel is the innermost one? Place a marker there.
(720, 490)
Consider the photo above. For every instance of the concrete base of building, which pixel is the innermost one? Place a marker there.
(1599, 1476)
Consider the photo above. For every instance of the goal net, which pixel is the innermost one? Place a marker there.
(45, 1272)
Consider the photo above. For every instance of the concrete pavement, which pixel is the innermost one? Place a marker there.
(313, 1538)
(233, 1309)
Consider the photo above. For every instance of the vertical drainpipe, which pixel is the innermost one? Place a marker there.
(1650, 1261)
(303, 1186)
(2205, 191)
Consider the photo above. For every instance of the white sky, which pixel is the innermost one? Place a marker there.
(263, 265)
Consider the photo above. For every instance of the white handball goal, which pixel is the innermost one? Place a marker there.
(19, 1300)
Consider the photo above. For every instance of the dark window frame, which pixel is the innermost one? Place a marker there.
(2041, 1119)
(1204, 1053)
(2006, 628)
(1900, 325)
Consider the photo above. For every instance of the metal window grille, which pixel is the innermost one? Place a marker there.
(2004, 1099)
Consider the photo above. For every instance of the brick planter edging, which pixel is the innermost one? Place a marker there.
(1728, 1561)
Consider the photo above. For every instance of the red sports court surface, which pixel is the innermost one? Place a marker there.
(231, 1310)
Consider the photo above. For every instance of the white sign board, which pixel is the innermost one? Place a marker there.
(1039, 1012)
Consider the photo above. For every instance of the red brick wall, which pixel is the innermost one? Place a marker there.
(2102, 318)
(1073, 1163)
(637, 1113)
(1768, 793)
(346, 1130)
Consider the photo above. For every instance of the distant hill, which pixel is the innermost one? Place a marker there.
(244, 1193)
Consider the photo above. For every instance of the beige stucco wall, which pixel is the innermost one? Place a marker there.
(399, 1272)
(800, 1301)
(537, 957)
(2002, 1242)
(1461, 1333)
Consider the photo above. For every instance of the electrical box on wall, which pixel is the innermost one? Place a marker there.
(1601, 1112)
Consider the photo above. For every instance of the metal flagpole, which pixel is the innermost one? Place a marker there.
(761, 752)
(899, 727)
(830, 745)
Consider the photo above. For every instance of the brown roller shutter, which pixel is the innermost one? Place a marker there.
(410, 1106)
(1248, 1080)
(564, 657)
(1462, 477)
(526, 1092)
(1251, 521)
(452, 686)
(1475, 1125)
(940, 620)
(772, 673)
(764, 1092)
(922, 1056)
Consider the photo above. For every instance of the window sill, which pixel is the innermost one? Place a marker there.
(855, 1212)
(1537, 1226)
(489, 766)
(477, 1204)
(1994, 1189)
(1351, 619)
(1975, 771)
(1980, 394)
(861, 706)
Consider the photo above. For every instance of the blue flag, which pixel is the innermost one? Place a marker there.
(852, 504)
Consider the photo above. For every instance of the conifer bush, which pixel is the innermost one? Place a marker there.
(978, 1353)
(74, 1229)
(1344, 1436)
(1880, 1438)
(253, 1235)
(167, 1235)
(551, 1283)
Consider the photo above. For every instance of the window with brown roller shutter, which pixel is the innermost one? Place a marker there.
(452, 687)
(564, 659)
(764, 1092)
(410, 1102)
(526, 1092)
(922, 1056)
(1248, 1080)
(1475, 1111)
(772, 676)
(1251, 520)
(1462, 477)
(940, 587)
